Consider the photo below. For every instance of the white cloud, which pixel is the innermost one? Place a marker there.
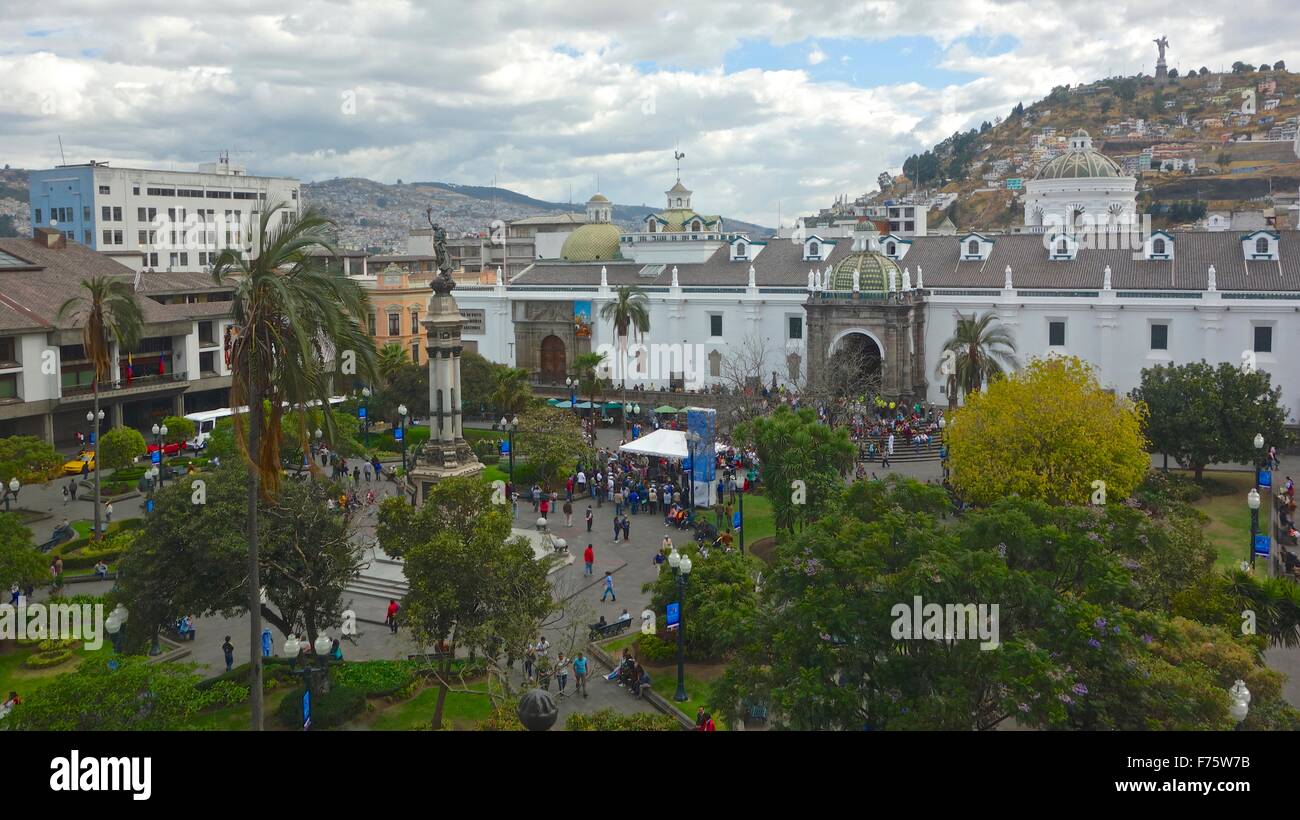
(544, 94)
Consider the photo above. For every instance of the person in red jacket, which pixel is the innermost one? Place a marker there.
(391, 620)
(708, 723)
(589, 558)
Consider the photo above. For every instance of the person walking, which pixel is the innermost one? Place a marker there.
(580, 674)
(568, 513)
(617, 528)
(627, 526)
(108, 513)
(561, 673)
(609, 588)
(228, 649)
(266, 642)
(356, 476)
(72, 488)
(588, 558)
(65, 496)
(590, 518)
(391, 619)
(530, 659)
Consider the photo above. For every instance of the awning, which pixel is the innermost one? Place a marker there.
(563, 405)
(667, 408)
(661, 443)
(613, 405)
(585, 405)
(552, 402)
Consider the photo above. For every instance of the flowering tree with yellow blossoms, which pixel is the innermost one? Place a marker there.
(1049, 432)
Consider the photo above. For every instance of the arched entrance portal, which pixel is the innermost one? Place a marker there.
(854, 368)
(552, 361)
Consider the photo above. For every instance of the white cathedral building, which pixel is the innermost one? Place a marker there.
(1174, 296)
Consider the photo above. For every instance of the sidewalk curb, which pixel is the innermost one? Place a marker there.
(653, 697)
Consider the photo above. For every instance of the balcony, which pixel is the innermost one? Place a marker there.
(119, 388)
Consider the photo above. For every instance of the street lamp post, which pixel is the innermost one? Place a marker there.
(311, 673)
(14, 486)
(365, 414)
(159, 434)
(401, 425)
(681, 566)
(94, 419)
(509, 427)
(1252, 501)
(114, 623)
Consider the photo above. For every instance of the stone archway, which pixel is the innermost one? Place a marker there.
(855, 365)
(552, 362)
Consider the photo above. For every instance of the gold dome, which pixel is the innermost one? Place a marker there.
(597, 242)
(871, 267)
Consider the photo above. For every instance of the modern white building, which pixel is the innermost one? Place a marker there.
(724, 304)
(158, 220)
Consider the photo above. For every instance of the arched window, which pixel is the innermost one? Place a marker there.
(973, 247)
(1158, 246)
(891, 249)
(813, 250)
(650, 225)
(679, 202)
(1261, 245)
(697, 226)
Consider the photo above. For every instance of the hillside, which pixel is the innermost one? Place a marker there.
(1191, 141)
(377, 216)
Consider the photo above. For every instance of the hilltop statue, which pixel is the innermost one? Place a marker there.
(442, 283)
(1162, 43)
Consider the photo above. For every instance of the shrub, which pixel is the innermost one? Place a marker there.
(45, 660)
(607, 720)
(375, 678)
(274, 670)
(328, 711)
(654, 649)
(504, 718)
(121, 446)
(52, 645)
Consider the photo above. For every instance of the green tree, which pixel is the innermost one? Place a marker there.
(588, 366)
(1049, 432)
(106, 309)
(409, 386)
(120, 447)
(391, 359)
(551, 441)
(20, 562)
(630, 314)
(471, 583)
(801, 461)
(289, 308)
(1203, 414)
(720, 602)
(477, 381)
(179, 429)
(979, 349)
(29, 459)
(192, 557)
(134, 696)
(511, 393)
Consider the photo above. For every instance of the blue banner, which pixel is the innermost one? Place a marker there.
(1265, 479)
(361, 412)
(306, 709)
(398, 433)
(1262, 544)
(156, 456)
(674, 614)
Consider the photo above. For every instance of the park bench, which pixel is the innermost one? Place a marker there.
(757, 713)
(609, 630)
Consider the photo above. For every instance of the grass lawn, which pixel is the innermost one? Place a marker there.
(758, 518)
(14, 677)
(238, 718)
(462, 709)
(664, 681)
(83, 527)
(1228, 529)
(493, 472)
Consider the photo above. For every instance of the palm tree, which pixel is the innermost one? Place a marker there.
(628, 312)
(392, 358)
(108, 314)
(981, 348)
(293, 316)
(586, 367)
(510, 391)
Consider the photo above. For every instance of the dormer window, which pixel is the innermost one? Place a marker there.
(1261, 246)
(740, 251)
(891, 249)
(814, 250)
(697, 226)
(1062, 248)
(973, 247)
(1158, 247)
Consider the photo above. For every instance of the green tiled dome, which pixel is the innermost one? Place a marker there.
(596, 242)
(871, 268)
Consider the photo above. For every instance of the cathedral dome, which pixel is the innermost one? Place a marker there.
(592, 243)
(872, 268)
(1080, 162)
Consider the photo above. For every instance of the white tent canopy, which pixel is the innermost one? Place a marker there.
(661, 443)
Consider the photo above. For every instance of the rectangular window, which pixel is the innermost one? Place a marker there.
(415, 352)
(371, 322)
(108, 237)
(7, 355)
(135, 190)
(1160, 337)
(185, 260)
(85, 213)
(86, 237)
(106, 213)
(9, 386)
(415, 322)
(104, 189)
(1263, 338)
(117, 214)
(1056, 334)
(394, 324)
(796, 327)
(37, 221)
(715, 324)
(117, 237)
(140, 215)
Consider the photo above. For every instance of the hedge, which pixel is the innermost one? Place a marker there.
(607, 720)
(45, 660)
(273, 669)
(328, 711)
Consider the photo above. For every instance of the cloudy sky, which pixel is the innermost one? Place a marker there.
(778, 106)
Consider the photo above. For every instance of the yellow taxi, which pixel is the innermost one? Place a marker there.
(74, 467)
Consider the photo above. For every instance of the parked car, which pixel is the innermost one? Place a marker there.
(83, 458)
(168, 449)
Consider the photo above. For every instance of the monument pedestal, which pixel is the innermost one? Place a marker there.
(438, 460)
